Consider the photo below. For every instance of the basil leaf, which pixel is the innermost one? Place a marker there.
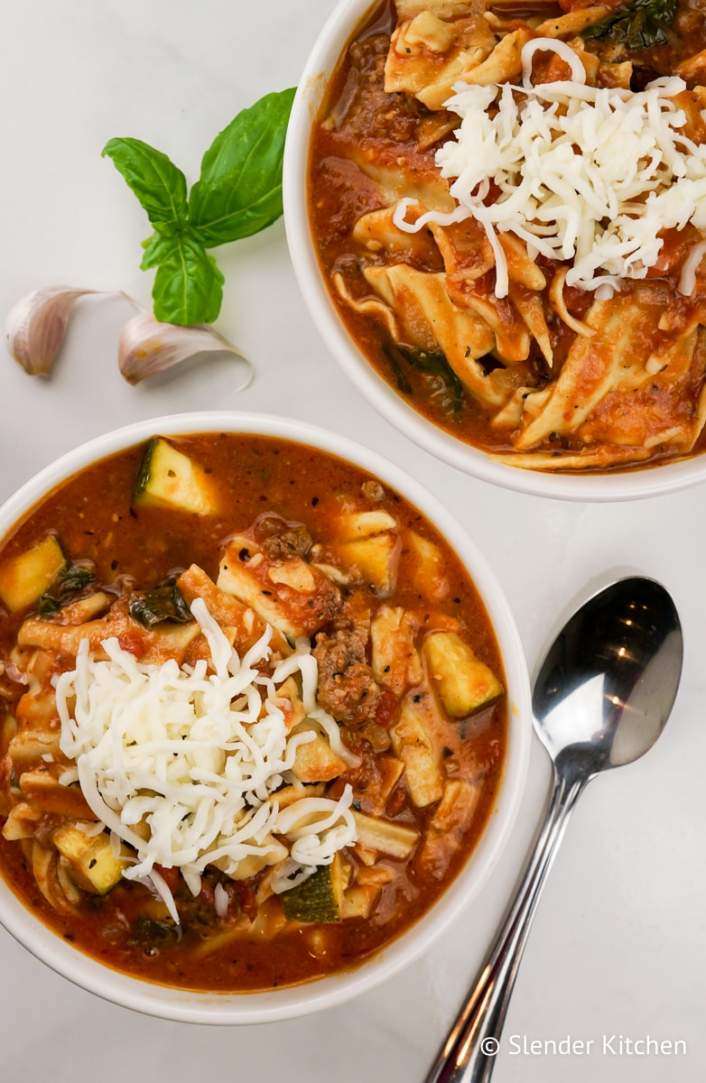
(155, 180)
(157, 248)
(640, 24)
(240, 188)
(188, 286)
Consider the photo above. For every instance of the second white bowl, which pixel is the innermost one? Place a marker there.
(617, 485)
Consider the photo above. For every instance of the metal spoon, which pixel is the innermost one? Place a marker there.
(601, 699)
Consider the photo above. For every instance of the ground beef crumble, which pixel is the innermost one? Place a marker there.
(347, 688)
(280, 540)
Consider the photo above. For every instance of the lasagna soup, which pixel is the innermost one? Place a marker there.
(252, 712)
(509, 205)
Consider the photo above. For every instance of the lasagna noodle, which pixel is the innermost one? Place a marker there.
(377, 232)
(444, 9)
(428, 55)
(428, 319)
(653, 415)
(405, 178)
(601, 458)
(614, 357)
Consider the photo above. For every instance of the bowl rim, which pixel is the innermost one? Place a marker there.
(222, 1008)
(637, 484)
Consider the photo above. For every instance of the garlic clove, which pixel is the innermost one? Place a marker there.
(37, 324)
(148, 347)
(36, 327)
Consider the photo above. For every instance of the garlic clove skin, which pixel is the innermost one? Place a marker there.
(36, 327)
(148, 347)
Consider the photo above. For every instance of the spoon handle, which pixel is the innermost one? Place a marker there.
(473, 1041)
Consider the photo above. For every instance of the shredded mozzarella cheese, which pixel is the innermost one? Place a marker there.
(220, 900)
(687, 281)
(587, 174)
(551, 45)
(183, 763)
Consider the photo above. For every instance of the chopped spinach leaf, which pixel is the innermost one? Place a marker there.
(392, 354)
(163, 603)
(445, 384)
(153, 933)
(69, 582)
(640, 24)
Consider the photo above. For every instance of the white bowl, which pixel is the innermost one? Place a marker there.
(197, 1007)
(626, 485)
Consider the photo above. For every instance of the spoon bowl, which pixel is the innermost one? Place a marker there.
(608, 683)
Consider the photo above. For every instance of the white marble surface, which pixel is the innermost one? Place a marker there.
(620, 941)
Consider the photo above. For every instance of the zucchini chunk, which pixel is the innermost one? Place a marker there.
(396, 840)
(168, 478)
(415, 741)
(465, 684)
(375, 558)
(94, 866)
(320, 898)
(24, 578)
(428, 567)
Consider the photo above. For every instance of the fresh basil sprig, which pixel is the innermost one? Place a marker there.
(238, 194)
